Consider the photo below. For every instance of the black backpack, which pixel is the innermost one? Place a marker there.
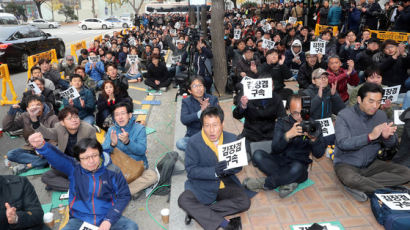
(165, 168)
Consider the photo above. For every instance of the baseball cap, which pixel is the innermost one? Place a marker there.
(319, 72)
(249, 48)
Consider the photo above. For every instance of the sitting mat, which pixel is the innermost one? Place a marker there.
(34, 171)
(305, 184)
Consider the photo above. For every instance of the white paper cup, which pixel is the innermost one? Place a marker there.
(165, 215)
(48, 219)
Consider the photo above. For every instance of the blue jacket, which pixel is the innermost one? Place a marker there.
(89, 101)
(189, 113)
(96, 73)
(352, 143)
(354, 20)
(333, 18)
(200, 163)
(138, 141)
(94, 196)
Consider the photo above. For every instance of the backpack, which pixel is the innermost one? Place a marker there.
(165, 169)
(390, 219)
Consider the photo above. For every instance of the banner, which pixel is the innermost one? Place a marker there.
(234, 153)
(175, 59)
(320, 28)
(258, 88)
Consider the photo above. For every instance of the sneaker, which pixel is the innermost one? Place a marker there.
(356, 194)
(254, 184)
(20, 168)
(234, 224)
(287, 189)
(164, 89)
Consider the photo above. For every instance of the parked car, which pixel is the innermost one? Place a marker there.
(43, 24)
(95, 23)
(118, 23)
(8, 19)
(19, 42)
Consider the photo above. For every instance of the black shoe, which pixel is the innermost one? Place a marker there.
(137, 195)
(188, 219)
(234, 224)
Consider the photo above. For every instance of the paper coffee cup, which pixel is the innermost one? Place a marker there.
(165, 215)
(48, 219)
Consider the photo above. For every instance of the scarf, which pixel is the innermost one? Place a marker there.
(212, 146)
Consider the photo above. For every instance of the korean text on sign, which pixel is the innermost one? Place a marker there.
(317, 47)
(391, 93)
(327, 126)
(132, 58)
(395, 201)
(237, 34)
(258, 88)
(233, 153)
(70, 93)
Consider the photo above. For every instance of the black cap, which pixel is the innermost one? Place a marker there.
(249, 48)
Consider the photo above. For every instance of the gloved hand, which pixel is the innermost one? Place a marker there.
(220, 169)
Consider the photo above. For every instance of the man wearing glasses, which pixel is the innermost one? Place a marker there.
(287, 164)
(98, 191)
(68, 132)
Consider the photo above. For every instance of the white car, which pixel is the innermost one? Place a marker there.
(119, 23)
(43, 24)
(95, 23)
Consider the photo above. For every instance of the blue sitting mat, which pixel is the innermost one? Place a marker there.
(305, 184)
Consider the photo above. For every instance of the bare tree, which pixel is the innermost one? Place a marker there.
(93, 8)
(218, 44)
(136, 7)
(38, 5)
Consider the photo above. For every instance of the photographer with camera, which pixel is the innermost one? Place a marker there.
(361, 130)
(203, 64)
(294, 138)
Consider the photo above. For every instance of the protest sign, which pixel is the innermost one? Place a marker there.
(33, 86)
(237, 34)
(132, 42)
(258, 88)
(177, 25)
(327, 126)
(396, 116)
(268, 44)
(266, 28)
(248, 22)
(325, 225)
(283, 23)
(180, 41)
(173, 31)
(175, 59)
(108, 44)
(391, 93)
(87, 226)
(244, 79)
(132, 58)
(317, 47)
(234, 153)
(292, 20)
(70, 93)
(395, 201)
(93, 59)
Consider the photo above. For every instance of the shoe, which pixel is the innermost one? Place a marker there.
(234, 224)
(137, 195)
(149, 88)
(20, 168)
(174, 85)
(188, 219)
(356, 194)
(287, 189)
(254, 184)
(163, 89)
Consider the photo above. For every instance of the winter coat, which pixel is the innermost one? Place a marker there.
(334, 16)
(159, 72)
(97, 72)
(245, 66)
(260, 117)
(402, 22)
(394, 72)
(353, 20)
(137, 146)
(364, 59)
(121, 85)
(89, 101)
(371, 15)
(342, 80)
(325, 106)
(277, 72)
(323, 15)
(53, 75)
(47, 96)
(305, 74)
(93, 196)
(289, 55)
(105, 107)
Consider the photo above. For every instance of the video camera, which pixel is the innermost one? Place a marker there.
(313, 128)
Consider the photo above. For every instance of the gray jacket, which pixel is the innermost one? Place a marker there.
(352, 144)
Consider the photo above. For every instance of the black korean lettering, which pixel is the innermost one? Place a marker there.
(257, 85)
(261, 92)
(394, 90)
(248, 84)
(387, 197)
(325, 130)
(225, 151)
(228, 160)
(238, 147)
(254, 92)
(326, 122)
(235, 158)
(265, 84)
(388, 92)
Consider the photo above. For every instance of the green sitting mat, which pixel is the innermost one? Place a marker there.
(148, 130)
(301, 186)
(46, 207)
(55, 199)
(12, 137)
(34, 171)
(305, 226)
(243, 119)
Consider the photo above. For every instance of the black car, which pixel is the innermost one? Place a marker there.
(19, 42)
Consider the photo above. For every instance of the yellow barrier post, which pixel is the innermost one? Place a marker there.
(98, 38)
(397, 36)
(77, 46)
(320, 28)
(33, 59)
(5, 79)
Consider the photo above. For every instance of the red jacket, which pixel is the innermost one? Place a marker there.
(342, 80)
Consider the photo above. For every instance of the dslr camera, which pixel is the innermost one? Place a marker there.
(313, 128)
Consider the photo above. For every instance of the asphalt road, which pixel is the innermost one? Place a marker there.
(161, 118)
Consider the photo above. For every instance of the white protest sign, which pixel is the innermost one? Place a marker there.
(237, 34)
(263, 21)
(245, 79)
(327, 126)
(177, 25)
(396, 116)
(326, 226)
(93, 59)
(180, 41)
(173, 31)
(132, 42)
(87, 226)
(317, 47)
(33, 86)
(268, 44)
(395, 201)
(132, 58)
(283, 23)
(108, 44)
(391, 93)
(248, 22)
(258, 88)
(292, 20)
(70, 93)
(175, 59)
(266, 28)
(234, 153)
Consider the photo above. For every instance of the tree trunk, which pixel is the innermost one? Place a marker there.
(218, 45)
(134, 7)
(93, 8)
(38, 4)
(111, 8)
(52, 11)
(192, 18)
(204, 27)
